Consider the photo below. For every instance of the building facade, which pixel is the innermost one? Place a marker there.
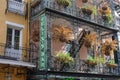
(71, 40)
(14, 40)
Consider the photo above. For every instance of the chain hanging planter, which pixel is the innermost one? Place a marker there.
(90, 39)
(84, 1)
(62, 31)
(105, 12)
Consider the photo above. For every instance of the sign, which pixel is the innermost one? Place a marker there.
(43, 43)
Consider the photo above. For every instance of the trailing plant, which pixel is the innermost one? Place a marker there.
(105, 12)
(65, 2)
(108, 47)
(108, 17)
(63, 57)
(62, 33)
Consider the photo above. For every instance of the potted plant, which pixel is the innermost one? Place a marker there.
(64, 2)
(84, 1)
(34, 3)
(108, 47)
(91, 61)
(90, 39)
(111, 63)
(105, 13)
(89, 10)
(63, 57)
(62, 33)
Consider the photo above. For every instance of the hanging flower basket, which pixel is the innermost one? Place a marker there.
(108, 47)
(64, 2)
(84, 1)
(63, 57)
(105, 12)
(86, 11)
(90, 39)
(62, 31)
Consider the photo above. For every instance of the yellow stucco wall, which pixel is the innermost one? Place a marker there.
(12, 17)
(15, 18)
(12, 70)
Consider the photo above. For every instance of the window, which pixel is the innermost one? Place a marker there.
(13, 38)
(8, 76)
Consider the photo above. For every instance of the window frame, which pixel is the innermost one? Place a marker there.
(15, 26)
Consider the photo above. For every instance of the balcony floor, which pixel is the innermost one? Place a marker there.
(17, 63)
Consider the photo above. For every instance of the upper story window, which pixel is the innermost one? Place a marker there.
(13, 38)
(14, 35)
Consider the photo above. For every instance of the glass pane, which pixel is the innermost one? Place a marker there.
(9, 38)
(17, 32)
(16, 39)
(9, 31)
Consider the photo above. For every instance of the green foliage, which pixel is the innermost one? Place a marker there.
(91, 59)
(100, 60)
(69, 79)
(64, 57)
(97, 60)
(109, 18)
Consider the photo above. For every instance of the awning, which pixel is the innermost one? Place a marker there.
(16, 63)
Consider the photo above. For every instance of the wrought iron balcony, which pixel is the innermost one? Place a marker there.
(81, 66)
(16, 54)
(72, 10)
(16, 7)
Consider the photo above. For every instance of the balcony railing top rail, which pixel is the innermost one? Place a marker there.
(72, 10)
(17, 54)
(16, 7)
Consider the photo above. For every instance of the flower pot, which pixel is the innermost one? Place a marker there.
(111, 65)
(84, 1)
(64, 3)
(104, 8)
(91, 62)
(83, 10)
(88, 11)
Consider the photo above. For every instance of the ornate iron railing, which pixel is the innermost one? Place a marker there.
(82, 67)
(72, 10)
(19, 54)
(16, 7)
